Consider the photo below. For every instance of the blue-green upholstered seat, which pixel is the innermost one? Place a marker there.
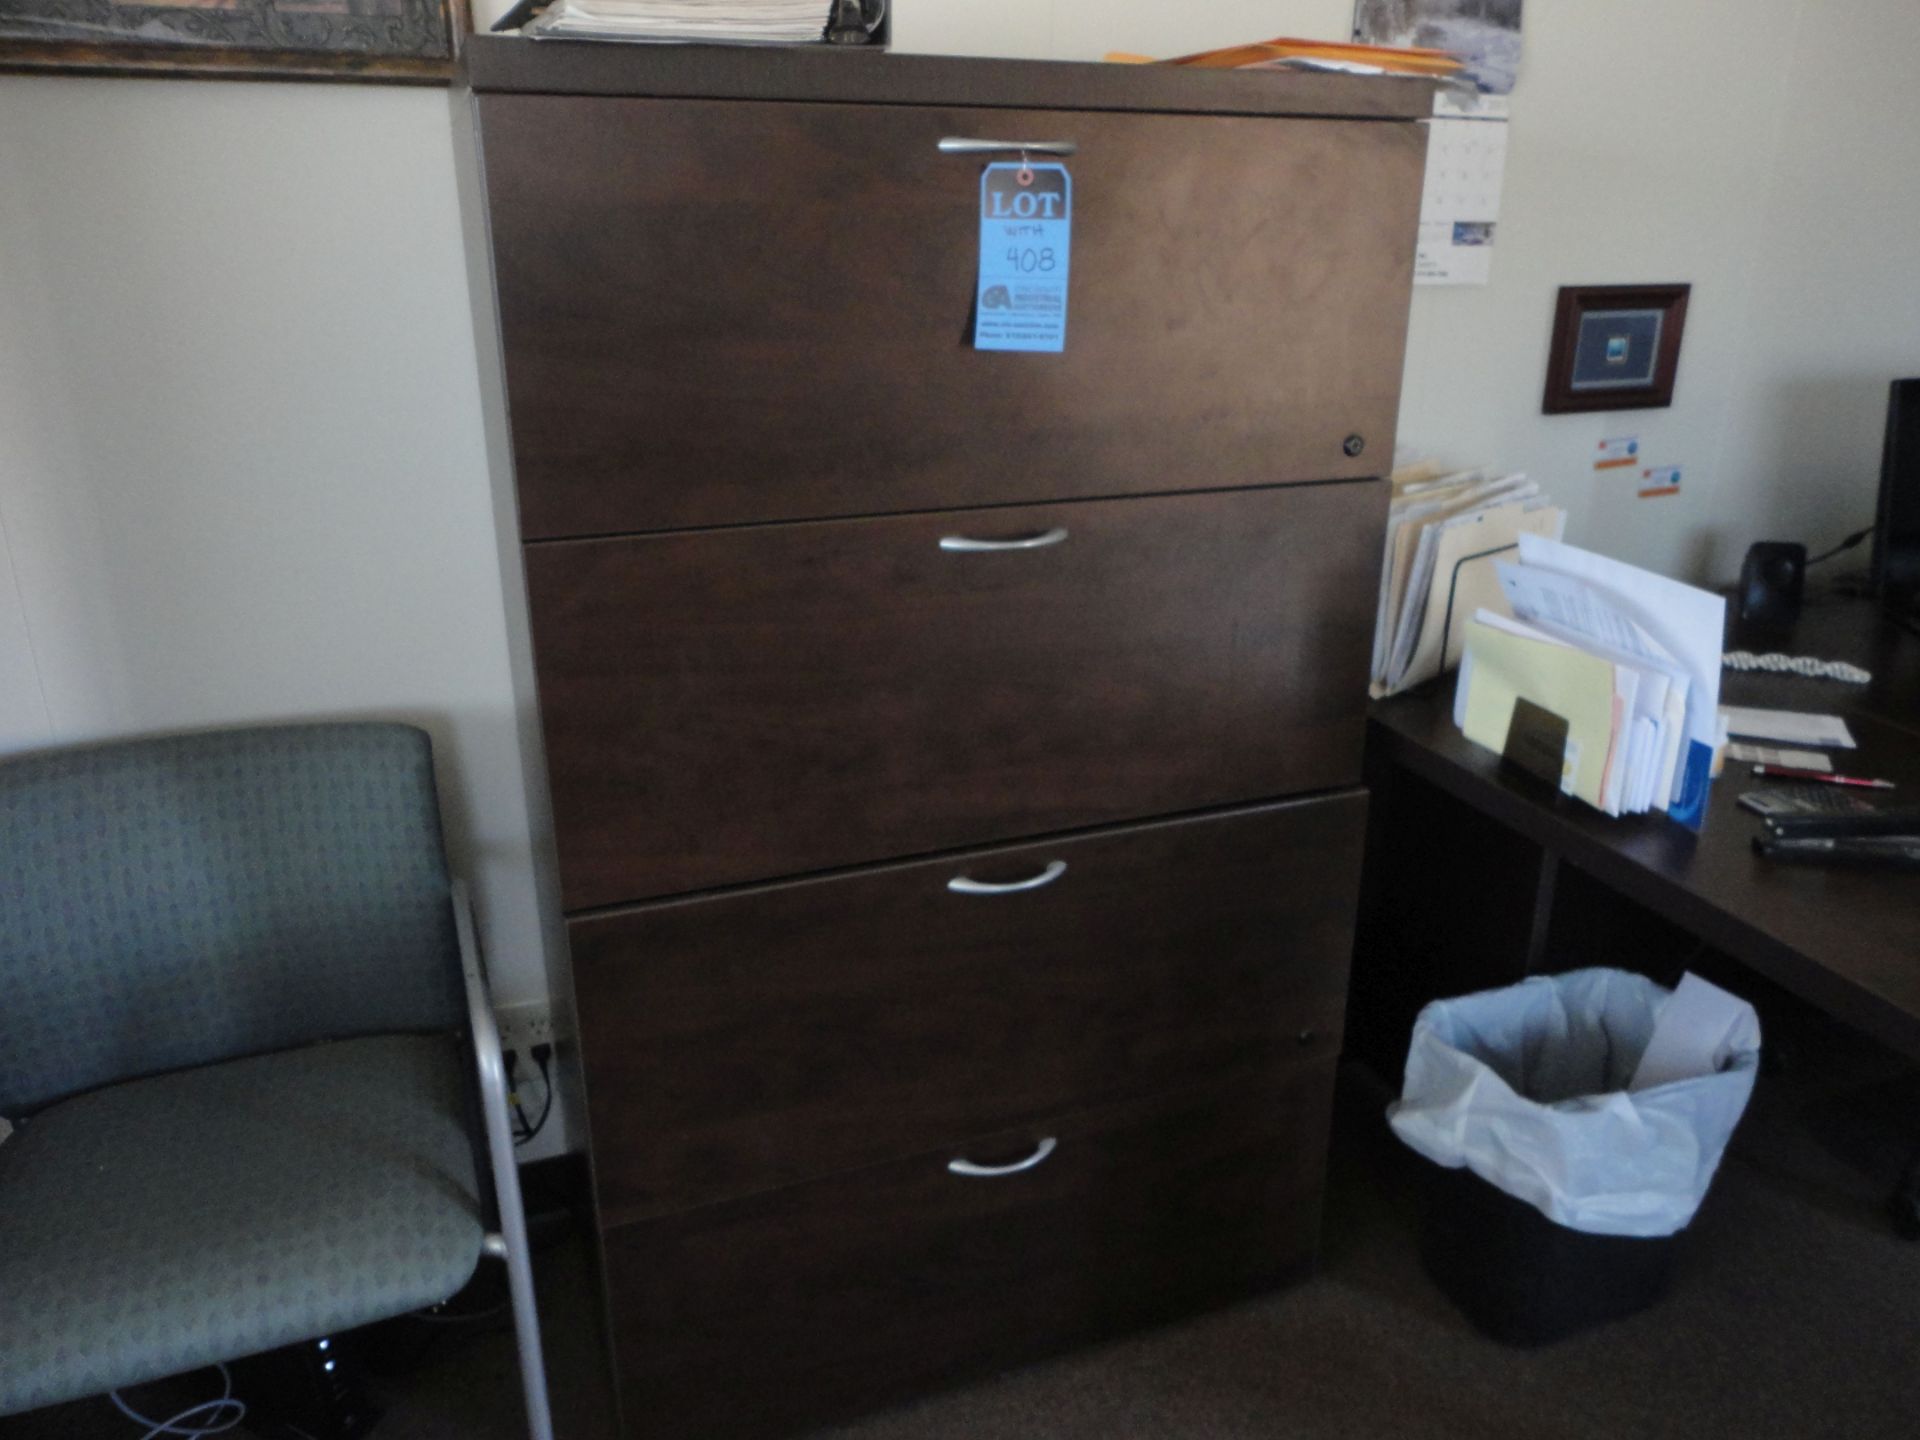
(175, 901)
(165, 1224)
(231, 1003)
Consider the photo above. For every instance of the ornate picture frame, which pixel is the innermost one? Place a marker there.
(403, 41)
(1615, 347)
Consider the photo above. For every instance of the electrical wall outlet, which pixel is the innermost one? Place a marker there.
(522, 1028)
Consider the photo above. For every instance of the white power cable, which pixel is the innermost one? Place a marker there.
(229, 1410)
(1801, 665)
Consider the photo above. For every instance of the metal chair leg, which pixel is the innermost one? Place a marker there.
(510, 1244)
(526, 1319)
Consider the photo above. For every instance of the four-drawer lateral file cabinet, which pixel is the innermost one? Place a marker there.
(953, 753)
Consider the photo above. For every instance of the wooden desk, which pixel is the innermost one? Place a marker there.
(1478, 875)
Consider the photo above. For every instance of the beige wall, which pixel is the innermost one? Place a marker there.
(1833, 311)
(242, 474)
(242, 466)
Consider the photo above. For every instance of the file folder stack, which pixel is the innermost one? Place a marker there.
(734, 22)
(1444, 532)
(1623, 664)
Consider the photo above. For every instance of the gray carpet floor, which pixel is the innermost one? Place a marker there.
(1797, 1314)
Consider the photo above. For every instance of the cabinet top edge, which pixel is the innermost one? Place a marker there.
(505, 65)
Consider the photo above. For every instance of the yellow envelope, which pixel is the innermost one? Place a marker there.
(1502, 667)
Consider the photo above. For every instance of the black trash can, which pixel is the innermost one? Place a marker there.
(1568, 1128)
(1521, 1278)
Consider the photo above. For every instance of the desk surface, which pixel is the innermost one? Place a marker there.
(1847, 941)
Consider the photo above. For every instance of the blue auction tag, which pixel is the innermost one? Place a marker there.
(1026, 244)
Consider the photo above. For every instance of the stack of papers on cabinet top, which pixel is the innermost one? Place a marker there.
(771, 22)
(1444, 533)
(1627, 660)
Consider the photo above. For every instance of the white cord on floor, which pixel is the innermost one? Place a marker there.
(231, 1412)
(1801, 665)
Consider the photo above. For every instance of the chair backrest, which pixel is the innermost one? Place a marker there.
(173, 902)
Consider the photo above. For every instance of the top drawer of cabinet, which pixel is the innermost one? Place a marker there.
(721, 312)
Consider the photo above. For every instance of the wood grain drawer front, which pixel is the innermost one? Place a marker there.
(732, 706)
(775, 1312)
(717, 313)
(757, 1039)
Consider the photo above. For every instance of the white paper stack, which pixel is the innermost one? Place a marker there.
(1443, 533)
(1628, 659)
(727, 22)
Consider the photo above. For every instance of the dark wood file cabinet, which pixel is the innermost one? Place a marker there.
(954, 755)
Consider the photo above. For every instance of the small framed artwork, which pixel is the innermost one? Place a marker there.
(408, 41)
(1615, 347)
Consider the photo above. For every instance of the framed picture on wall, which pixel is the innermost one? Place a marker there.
(390, 40)
(1615, 347)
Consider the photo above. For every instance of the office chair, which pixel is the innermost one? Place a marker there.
(244, 1038)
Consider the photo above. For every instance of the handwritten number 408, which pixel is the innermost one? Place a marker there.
(1030, 261)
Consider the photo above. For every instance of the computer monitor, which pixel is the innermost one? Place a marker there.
(1896, 543)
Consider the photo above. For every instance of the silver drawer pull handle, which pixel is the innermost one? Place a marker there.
(967, 545)
(998, 1172)
(956, 145)
(961, 885)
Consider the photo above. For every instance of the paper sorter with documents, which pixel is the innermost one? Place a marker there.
(1443, 532)
(1509, 662)
(1645, 688)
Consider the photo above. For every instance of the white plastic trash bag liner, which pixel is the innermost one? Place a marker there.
(1540, 1089)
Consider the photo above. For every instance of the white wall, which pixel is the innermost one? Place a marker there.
(1834, 307)
(1647, 175)
(242, 466)
(242, 473)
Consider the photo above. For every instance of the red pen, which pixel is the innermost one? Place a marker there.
(1780, 773)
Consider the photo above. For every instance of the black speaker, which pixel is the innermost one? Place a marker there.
(1772, 583)
(1896, 541)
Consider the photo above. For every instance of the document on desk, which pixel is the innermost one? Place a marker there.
(1644, 724)
(1411, 508)
(1570, 609)
(1659, 623)
(1506, 663)
(1460, 580)
(1437, 571)
(1813, 760)
(1790, 727)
